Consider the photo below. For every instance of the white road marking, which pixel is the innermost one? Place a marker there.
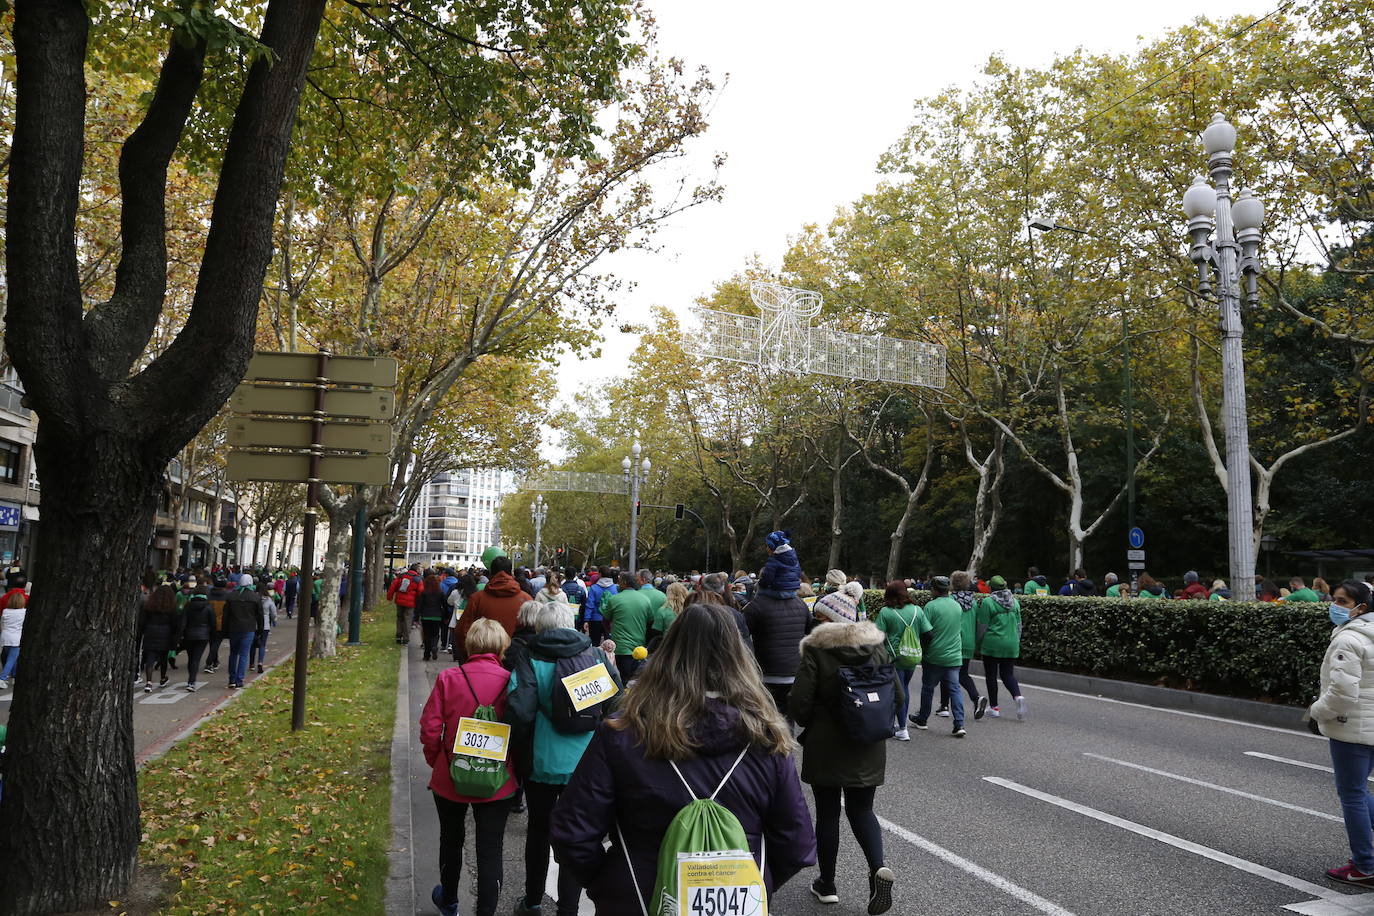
(1291, 762)
(1349, 905)
(1207, 852)
(1176, 712)
(1029, 898)
(1211, 785)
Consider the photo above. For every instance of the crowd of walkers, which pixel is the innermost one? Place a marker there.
(621, 701)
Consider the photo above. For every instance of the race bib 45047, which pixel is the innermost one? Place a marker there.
(720, 884)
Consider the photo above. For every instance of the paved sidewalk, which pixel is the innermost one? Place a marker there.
(163, 716)
(415, 824)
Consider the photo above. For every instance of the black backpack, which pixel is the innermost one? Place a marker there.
(868, 702)
(564, 715)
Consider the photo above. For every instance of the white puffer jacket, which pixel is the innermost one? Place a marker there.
(1345, 709)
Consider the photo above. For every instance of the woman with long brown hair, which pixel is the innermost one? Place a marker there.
(698, 714)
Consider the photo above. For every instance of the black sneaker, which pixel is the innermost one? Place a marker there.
(880, 891)
(980, 707)
(943, 711)
(959, 731)
(918, 723)
(824, 891)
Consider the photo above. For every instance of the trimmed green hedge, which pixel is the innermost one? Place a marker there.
(1242, 649)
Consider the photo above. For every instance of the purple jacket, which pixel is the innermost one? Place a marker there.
(615, 781)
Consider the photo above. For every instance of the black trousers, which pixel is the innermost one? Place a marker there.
(1005, 668)
(541, 798)
(858, 805)
(965, 681)
(212, 659)
(153, 658)
(430, 629)
(195, 649)
(490, 818)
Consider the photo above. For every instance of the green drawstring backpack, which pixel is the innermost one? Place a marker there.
(705, 867)
(908, 652)
(477, 765)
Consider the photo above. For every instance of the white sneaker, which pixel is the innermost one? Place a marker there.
(902, 735)
(994, 712)
(4, 685)
(943, 712)
(1020, 707)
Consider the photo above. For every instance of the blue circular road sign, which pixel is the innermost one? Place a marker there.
(1136, 538)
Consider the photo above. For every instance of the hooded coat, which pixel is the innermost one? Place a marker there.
(829, 756)
(777, 626)
(499, 601)
(615, 784)
(243, 612)
(968, 600)
(782, 571)
(198, 618)
(451, 700)
(998, 619)
(1345, 707)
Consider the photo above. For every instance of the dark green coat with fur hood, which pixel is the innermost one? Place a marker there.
(829, 757)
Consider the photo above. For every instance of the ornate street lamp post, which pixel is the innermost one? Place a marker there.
(1232, 255)
(539, 511)
(636, 472)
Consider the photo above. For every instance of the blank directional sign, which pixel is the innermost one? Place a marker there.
(1137, 555)
(279, 399)
(254, 432)
(285, 467)
(378, 371)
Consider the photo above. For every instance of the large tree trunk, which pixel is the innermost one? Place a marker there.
(987, 505)
(335, 553)
(78, 623)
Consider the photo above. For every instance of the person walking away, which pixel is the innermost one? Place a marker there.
(697, 722)
(553, 735)
(645, 580)
(500, 601)
(674, 600)
(198, 618)
(968, 599)
(458, 693)
(1036, 584)
(776, 628)
(457, 603)
(575, 590)
(781, 574)
(999, 642)
(627, 614)
(944, 654)
(243, 618)
(841, 605)
(291, 592)
(405, 591)
(1219, 591)
(597, 593)
(258, 654)
(552, 592)
(1344, 713)
(837, 762)
(1113, 584)
(158, 628)
(1149, 588)
(219, 593)
(430, 607)
(898, 616)
(11, 634)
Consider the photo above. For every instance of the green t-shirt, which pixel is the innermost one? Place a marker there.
(894, 621)
(946, 618)
(1001, 628)
(1114, 591)
(1215, 597)
(967, 630)
(661, 618)
(1035, 588)
(656, 597)
(1304, 594)
(627, 614)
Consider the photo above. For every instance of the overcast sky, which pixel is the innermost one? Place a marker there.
(815, 94)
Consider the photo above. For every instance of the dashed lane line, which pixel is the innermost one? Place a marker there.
(1206, 852)
(1029, 898)
(1211, 785)
(1291, 762)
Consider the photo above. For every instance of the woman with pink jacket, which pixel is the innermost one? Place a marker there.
(458, 691)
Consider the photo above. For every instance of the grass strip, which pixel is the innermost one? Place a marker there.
(249, 817)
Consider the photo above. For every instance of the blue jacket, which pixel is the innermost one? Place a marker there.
(446, 584)
(596, 595)
(575, 592)
(782, 572)
(554, 755)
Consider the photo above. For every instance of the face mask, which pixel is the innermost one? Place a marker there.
(1339, 615)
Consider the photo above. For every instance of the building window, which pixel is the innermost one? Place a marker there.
(10, 457)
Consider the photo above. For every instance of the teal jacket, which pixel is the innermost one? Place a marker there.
(553, 755)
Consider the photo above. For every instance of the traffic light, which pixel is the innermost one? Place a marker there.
(637, 507)
(679, 511)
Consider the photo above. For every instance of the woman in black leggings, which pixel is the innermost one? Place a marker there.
(832, 762)
(998, 622)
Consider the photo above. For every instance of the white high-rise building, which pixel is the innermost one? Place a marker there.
(454, 518)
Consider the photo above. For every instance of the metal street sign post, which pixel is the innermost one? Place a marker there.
(294, 433)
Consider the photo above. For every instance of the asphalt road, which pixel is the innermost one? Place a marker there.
(1087, 807)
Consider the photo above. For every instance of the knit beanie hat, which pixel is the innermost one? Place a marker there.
(1189, 577)
(836, 578)
(997, 583)
(778, 538)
